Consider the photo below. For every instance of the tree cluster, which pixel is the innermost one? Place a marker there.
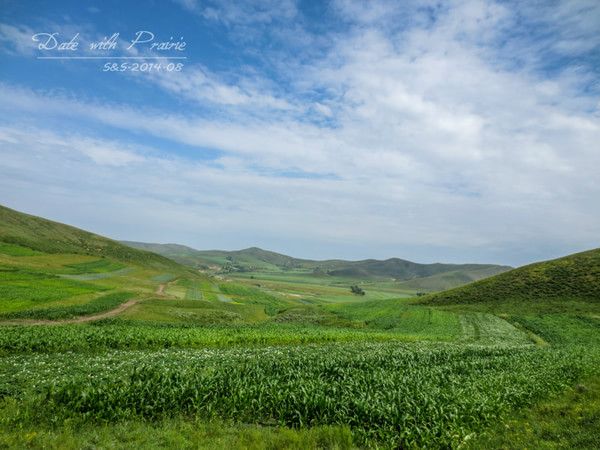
(357, 290)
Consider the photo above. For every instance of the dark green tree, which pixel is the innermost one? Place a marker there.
(357, 290)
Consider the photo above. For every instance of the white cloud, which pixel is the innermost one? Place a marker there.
(110, 156)
(200, 85)
(101, 152)
(248, 12)
(432, 141)
(17, 39)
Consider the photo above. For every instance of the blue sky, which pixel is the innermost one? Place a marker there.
(460, 131)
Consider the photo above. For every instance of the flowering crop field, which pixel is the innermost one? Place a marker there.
(75, 338)
(214, 362)
(390, 393)
(394, 394)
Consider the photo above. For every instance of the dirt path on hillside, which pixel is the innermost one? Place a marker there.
(113, 312)
(82, 319)
(160, 290)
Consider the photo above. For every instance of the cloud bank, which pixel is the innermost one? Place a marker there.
(406, 129)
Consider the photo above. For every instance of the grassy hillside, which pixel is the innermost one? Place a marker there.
(451, 279)
(35, 234)
(400, 269)
(256, 259)
(178, 253)
(574, 277)
(53, 271)
(252, 258)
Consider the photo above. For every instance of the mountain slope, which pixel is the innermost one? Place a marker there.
(406, 270)
(53, 237)
(256, 259)
(451, 279)
(252, 258)
(178, 253)
(573, 277)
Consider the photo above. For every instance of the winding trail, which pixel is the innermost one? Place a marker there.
(160, 290)
(82, 319)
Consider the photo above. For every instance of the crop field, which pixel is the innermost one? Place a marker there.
(399, 315)
(96, 305)
(164, 277)
(17, 250)
(194, 289)
(21, 289)
(417, 395)
(283, 361)
(389, 373)
(99, 266)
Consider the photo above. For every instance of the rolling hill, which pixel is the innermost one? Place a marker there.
(252, 258)
(400, 269)
(450, 279)
(256, 259)
(46, 236)
(573, 277)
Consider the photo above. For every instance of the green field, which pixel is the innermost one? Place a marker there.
(255, 262)
(169, 356)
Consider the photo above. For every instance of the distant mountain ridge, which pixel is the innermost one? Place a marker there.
(257, 259)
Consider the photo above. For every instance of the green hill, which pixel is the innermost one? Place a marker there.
(38, 234)
(434, 276)
(178, 253)
(400, 269)
(451, 279)
(248, 259)
(573, 277)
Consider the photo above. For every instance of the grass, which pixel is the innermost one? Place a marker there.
(357, 367)
(251, 295)
(280, 357)
(95, 306)
(397, 315)
(488, 329)
(572, 278)
(198, 312)
(17, 250)
(46, 236)
(563, 329)
(22, 289)
(164, 277)
(296, 286)
(569, 421)
(98, 266)
(180, 433)
(398, 395)
(449, 280)
(194, 292)
(148, 334)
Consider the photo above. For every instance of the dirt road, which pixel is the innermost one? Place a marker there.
(82, 319)
(160, 290)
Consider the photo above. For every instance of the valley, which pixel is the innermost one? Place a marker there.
(103, 344)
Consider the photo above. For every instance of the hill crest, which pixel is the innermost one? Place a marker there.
(571, 277)
(48, 236)
(257, 259)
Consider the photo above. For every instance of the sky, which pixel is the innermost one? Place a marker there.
(454, 131)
